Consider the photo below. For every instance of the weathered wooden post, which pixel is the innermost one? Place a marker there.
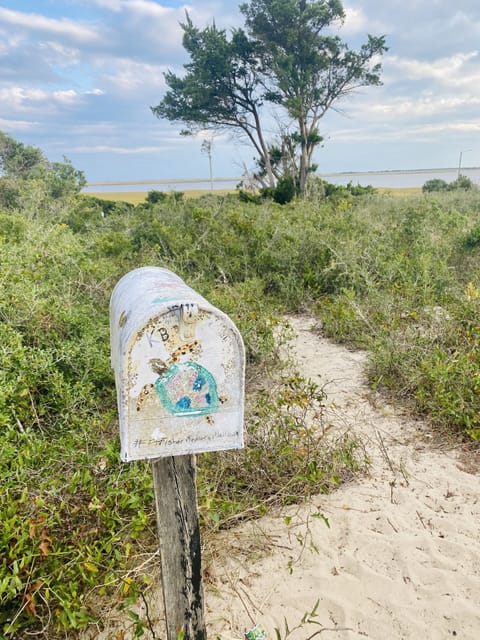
(179, 371)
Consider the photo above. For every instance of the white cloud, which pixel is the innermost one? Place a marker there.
(422, 107)
(356, 21)
(120, 150)
(143, 8)
(412, 131)
(146, 8)
(22, 99)
(138, 6)
(17, 97)
(67, 97)
(58, 26)
(133, 77)
(112, 5)
(17, 125)
(59, 54)
(444, 70)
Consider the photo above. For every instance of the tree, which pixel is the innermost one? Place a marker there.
(286, 59)
(22, 166)
(221, 88)
(18, 160)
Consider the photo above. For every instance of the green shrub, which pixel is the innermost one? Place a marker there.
(472, 237)
(462, 182)
(156, 196)
(435, 184)
(285, 191)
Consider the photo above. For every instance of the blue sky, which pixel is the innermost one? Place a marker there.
(78, 77)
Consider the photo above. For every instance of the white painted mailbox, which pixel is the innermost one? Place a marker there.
(179, 368)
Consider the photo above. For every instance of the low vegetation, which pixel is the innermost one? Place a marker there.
(398, 276)
(462, 183)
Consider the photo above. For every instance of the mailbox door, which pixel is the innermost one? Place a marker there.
(185, 388)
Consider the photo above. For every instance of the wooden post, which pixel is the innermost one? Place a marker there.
(174, 482)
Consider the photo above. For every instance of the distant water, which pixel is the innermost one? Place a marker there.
(385, 179)
(402, 179)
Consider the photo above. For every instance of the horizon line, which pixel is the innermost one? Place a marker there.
(167, 181)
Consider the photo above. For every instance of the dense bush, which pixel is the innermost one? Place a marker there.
(74, 519)
(399, 276)
(25, 174)
(436, 184)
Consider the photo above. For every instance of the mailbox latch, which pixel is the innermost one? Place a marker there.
(188, 316)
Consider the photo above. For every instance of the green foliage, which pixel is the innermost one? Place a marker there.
(26, 170)
(63, 179)
(321, 188)
(307, 68)
(472, 237)
(285, 190)
(73, 517)
(287, 455)
(436, 184)
(156, 196)
(405, 284)
(18, 160)
(400, 276)
(462, 182)
(249, 196)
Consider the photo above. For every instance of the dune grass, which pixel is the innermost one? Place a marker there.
(400, 191)
(138, 197)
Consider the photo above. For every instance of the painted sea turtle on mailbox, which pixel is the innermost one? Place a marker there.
(185, 388)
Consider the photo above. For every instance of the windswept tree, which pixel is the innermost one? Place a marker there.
(285, 58)
(221, 89)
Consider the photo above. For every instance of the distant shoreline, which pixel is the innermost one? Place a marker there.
(168, 181)
(398, 171)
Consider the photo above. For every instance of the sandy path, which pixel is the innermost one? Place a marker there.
(401, 558)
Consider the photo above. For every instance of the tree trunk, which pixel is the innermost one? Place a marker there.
(304, 157)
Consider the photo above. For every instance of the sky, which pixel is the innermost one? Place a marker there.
(78, 78)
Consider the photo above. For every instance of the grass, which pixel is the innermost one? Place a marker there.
(138, 197)
(399, 191)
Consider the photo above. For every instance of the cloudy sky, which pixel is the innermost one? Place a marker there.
(77, 78)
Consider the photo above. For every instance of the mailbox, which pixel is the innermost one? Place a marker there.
(179, 368)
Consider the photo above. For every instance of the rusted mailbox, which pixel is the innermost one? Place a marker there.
(179, 368)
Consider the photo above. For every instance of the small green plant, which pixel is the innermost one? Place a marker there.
(288, 456)
(308, 618)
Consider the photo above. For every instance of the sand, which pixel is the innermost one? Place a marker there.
(401, 558)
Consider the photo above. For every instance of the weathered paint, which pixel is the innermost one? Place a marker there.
(179, 368)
